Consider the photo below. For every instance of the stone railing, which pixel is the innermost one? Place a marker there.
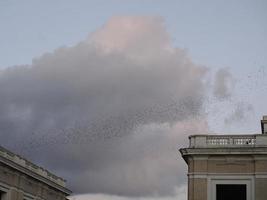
(30, 166)
(213, 141)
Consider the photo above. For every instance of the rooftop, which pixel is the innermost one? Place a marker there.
(216, 145)
(31, 169)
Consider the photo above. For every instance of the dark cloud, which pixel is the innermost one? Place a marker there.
(109, 113)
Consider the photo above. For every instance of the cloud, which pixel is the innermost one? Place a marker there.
(224, 84)
(109, 113)
(239, 114)
(137, 38)
(180, 194)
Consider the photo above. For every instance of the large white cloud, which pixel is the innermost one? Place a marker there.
(109, 113)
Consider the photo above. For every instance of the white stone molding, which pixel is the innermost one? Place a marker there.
(207, 175)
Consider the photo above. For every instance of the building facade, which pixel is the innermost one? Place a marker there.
(23, 180)
(227, 167)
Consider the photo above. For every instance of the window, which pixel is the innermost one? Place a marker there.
(231, 187)
(231, 192)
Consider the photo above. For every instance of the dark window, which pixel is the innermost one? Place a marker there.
(1, 195)
(231, 192)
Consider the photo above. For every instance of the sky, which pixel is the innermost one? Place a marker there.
(104, 93)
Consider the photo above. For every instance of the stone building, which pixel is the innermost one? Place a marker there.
(23, 180)
(227, 167)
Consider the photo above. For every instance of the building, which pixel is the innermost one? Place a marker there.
(227, 167)
(23, 180)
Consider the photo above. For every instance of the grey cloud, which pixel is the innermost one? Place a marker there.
(109, 113)
(239, 114)
(223, 84)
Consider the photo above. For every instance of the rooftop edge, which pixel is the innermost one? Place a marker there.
(32, 167)
(225, 141)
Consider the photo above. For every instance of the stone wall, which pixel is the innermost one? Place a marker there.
(15, 185)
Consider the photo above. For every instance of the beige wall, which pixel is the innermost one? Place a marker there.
(261, 188)
(261, 165)
(199, 168)
(227, 165)
(197, 189)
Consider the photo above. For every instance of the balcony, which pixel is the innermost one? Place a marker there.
(225, 141)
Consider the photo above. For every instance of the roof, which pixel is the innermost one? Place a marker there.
(23, 165)
(204, 145)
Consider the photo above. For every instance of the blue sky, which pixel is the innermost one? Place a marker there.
(217, 33)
